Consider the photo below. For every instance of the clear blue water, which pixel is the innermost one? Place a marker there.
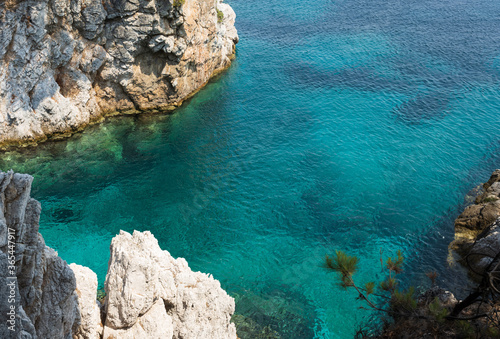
(353, 124)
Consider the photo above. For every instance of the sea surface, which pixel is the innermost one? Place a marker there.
(358, 125)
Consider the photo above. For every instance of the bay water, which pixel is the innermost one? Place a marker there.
(358, 125)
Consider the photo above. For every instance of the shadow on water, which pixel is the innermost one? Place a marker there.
(433, 105)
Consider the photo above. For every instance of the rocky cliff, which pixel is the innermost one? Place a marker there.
(149, 294)
(67, 63)
(37, 288)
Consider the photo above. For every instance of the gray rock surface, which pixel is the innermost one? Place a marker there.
(66, 63)
(45, 303)
(485, 248)
(477, 228)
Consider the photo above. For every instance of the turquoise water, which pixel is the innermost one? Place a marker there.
(355, 125)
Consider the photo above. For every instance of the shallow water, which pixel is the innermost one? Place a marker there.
(355, 125)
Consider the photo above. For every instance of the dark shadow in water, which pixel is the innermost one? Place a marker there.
(427, 254)
(423, 107)
(434, 105)
(63, 215)
(362, 78)
(456, 48)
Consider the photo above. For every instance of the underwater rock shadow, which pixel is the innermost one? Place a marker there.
(422, 107)
(362, 78)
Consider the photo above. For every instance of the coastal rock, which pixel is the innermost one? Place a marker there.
(476, 217)
(154, 324)
(45, 299)
(477, 236)
(86, 290)
(445, 298)
(149, 294)
(66, 63)
(144, 283)
(485, 247)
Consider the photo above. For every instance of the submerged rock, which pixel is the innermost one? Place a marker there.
(275, 313)
(66, 63)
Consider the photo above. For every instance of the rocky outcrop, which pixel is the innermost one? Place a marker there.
(486, 208)
(148, 291)
(149, 294)
(66, 63)
(86, 289)
(485, 248)
(477, 229)
(37, 288)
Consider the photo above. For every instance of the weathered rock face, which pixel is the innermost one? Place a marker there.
(477, 229)
(86, 290)
(149, 293)
(486, 208)
(45, 303)
(148, 290)
(66, 63)
(485, 248)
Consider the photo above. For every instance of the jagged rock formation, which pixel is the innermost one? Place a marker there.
(66, 63)
(45, 300)
(149, 294)
(477, 229)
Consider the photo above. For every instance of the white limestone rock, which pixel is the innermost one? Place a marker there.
(140, 275)
(86, 290)
(228, 21)
(154, 324)
(149, 293)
